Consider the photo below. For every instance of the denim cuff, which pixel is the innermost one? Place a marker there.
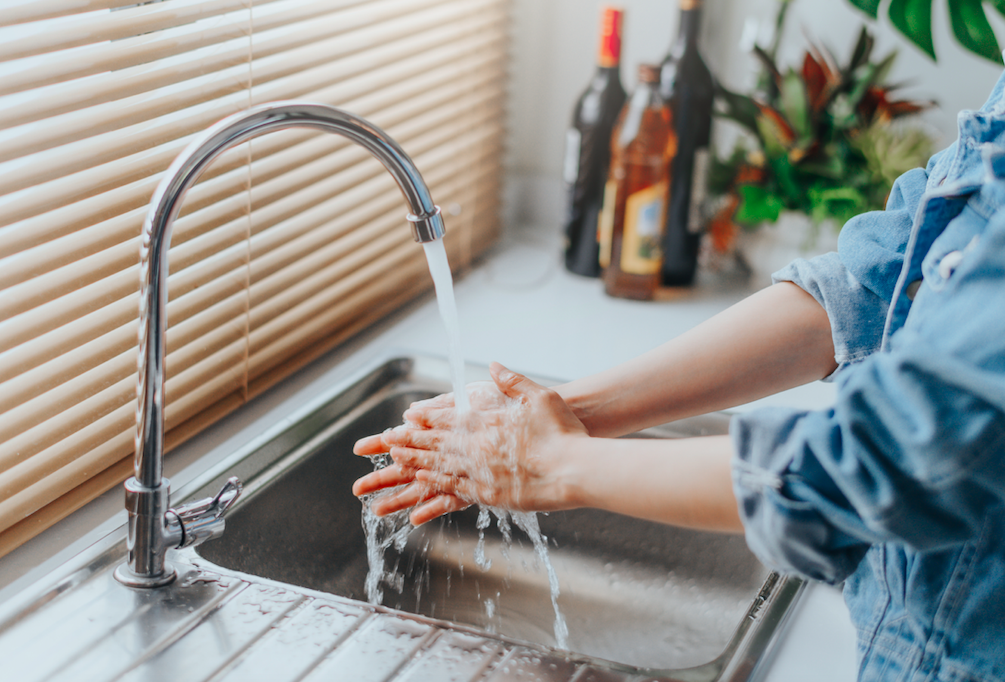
(778, 504)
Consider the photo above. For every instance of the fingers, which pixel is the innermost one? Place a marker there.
(424, 449)
(436, 507)
(388, 477)
(430, 417)
(406, 498)
(401, 435)
(419, 458)
(512, 384)
(432, 413)
(442, 400)
(428, 502)
(371, 445)
(425, 439)
(460, 487)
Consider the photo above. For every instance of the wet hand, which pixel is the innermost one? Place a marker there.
(398, 483)
(512, 450)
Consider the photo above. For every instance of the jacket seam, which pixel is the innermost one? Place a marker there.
(962, 674)
(945, 614)
(873, 641)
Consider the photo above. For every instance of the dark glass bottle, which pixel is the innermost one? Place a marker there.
(687, 85)
(635, 197)
(587, 149)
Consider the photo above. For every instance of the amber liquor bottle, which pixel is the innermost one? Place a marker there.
(687, 85)
(635, 197)
(588, 149)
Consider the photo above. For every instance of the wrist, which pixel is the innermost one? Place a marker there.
(576, 470)
(585, 404)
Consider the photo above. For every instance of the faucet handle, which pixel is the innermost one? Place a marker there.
(203, 519)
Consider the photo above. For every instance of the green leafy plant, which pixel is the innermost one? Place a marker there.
(824, 139)
(970, 24)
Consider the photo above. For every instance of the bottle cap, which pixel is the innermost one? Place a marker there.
(686, 5)
(610, 37)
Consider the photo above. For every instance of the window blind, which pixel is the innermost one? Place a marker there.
(287, 246)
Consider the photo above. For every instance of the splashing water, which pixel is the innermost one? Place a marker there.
(527, 522)
(436, 256)
(382, 533)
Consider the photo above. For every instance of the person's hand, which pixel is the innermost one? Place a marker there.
(397, 483)
(514, 449)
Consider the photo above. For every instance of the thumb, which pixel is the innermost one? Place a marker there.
(510, 383)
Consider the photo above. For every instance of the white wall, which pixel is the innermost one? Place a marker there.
(555, 47)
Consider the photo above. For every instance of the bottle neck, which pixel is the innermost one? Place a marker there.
(609, 50)
(690, 25)
(609, 60)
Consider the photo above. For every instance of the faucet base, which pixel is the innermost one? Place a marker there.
(125, 576)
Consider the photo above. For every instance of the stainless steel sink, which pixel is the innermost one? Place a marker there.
(639, 595)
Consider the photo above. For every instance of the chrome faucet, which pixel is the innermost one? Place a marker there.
(154, 526)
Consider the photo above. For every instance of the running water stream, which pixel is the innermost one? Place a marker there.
(443, 282)
(393, 530)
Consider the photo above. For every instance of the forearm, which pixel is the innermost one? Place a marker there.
(776, 339)
(685, 482)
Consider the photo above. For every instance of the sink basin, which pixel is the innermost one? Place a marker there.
(637, 594)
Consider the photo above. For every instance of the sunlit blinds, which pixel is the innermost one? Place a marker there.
(286, 246)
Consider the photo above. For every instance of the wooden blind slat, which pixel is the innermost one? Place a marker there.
(23, 11)
(64, 32)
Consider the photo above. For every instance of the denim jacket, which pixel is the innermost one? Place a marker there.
(898, 490)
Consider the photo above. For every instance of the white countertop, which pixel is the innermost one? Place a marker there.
(521, 308)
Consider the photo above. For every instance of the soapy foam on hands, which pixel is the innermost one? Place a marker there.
(507, 439)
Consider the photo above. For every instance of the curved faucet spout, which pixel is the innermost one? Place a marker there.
(153, 526)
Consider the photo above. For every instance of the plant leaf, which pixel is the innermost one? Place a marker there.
(795, 105)
(757, 205)
(971, 28)
(883, 68)
(787, 178)
(775, 132)
(827, 165)
(913, 18)
(858, 88)
(818, 82)
(841, 204)
(860, 55)
(770, 69)
(740, 108)
(870, 7)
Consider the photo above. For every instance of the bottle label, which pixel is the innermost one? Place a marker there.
(640, 246)
(605, 223)
(573, 143)
(699, 190)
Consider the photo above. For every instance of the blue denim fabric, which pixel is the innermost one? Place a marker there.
(899, 489)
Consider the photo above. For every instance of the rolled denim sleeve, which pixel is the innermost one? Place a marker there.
(791, 510)
(912, 450)
(855, 285)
